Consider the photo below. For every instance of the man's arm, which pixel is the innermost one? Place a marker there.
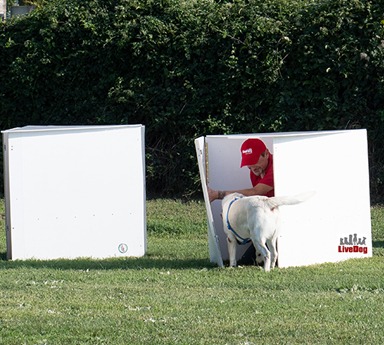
(259, 189)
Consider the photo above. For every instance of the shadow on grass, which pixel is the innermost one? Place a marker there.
(146, 262)
(378, 244)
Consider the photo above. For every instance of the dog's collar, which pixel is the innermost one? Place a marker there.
(240, 240)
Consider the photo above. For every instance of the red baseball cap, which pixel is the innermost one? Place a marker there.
(251, 149)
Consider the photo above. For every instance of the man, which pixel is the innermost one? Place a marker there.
(255, 156)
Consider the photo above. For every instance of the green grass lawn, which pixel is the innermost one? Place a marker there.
(174, 295)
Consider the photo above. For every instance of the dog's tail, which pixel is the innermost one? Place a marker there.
(288, 200)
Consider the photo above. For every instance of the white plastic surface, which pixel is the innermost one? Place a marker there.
(75, 192)
(213, 238)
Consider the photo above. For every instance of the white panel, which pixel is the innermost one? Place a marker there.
(336, 167)
(213, 238)
(77, 192)
(7, 195)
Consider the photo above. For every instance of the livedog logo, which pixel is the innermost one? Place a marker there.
(353, 244)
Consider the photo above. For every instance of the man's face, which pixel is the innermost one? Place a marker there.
(259, 168)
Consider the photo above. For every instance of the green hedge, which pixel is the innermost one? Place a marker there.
(190, 68)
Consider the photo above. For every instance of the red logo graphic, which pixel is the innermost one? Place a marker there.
(352, 244)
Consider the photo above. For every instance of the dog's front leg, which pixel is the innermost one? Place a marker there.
(232, 251)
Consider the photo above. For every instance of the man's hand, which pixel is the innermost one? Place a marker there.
(212, 194)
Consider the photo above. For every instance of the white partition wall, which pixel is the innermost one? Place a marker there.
(214, 240)
(333, 225)
(75, 191)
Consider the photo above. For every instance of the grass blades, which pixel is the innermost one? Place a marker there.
(174, 295)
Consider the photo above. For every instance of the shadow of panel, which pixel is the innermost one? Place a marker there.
(146, 262)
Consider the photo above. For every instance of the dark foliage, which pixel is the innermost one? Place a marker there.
(191, 68)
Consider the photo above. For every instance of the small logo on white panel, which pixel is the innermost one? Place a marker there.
(123, 248)
(353, 244)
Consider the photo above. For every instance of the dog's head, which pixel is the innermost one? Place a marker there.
(259, 258)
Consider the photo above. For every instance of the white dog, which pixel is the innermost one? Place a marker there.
(255, 218)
